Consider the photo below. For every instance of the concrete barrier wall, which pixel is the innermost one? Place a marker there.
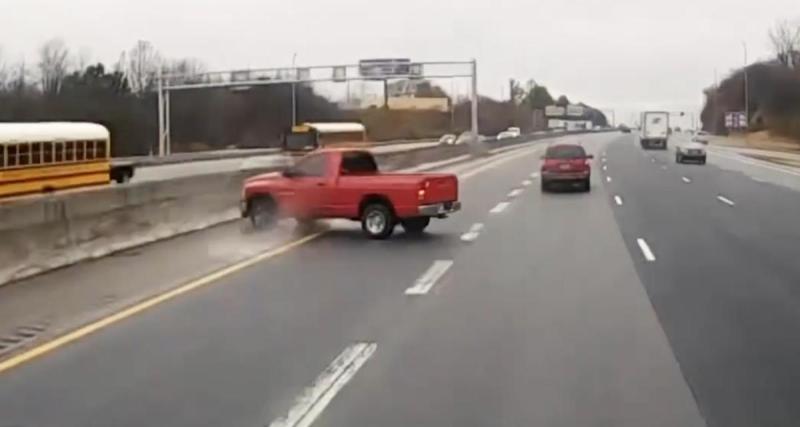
(44, 233)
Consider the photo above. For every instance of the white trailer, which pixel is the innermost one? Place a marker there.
(655, 129)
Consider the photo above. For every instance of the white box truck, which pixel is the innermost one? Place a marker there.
(655, 129)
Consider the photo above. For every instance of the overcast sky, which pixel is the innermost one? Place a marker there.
(621, 54)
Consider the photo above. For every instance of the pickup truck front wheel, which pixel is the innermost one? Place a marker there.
(263, 213)
(377, 221)
(415, 225)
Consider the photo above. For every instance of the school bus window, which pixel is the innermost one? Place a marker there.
(58, 152)
(36, 153)
(3, 156)
(80, 150)
(47, 152)
(101, 150)
(23, 154)
(69, 151)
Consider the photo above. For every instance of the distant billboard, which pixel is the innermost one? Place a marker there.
(556, 124)
(381, 68)
(736, 120)
(575, 110)
(339, 74)
(554, 111)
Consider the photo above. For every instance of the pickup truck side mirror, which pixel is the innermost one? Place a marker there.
(289, 173)
(590, 156)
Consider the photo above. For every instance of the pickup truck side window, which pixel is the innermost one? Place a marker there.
(311, 166)
(358, 163)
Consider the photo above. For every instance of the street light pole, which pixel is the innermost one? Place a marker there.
(474, 104)
(746, 90)
(294, 90)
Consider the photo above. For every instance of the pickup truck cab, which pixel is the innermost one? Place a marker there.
(346, 183)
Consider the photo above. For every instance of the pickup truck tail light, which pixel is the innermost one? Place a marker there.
(423, 189)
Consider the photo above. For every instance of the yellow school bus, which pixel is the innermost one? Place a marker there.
(310, 136)
(44, 157)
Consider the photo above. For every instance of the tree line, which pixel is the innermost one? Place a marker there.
(63, 85)
(773, 88)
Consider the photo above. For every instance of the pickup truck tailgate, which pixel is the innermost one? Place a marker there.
(441, 188)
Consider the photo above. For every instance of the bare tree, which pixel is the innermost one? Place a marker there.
(140, 65)
(785, 40)
(186, 70)
(53, 65)
(4, 75)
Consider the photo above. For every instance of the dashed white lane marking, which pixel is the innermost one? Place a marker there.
(500, 207)
(430, 277)
(605, 168)
(515, 192)
(726, 200)
(473, 232)
(618, 200)
(686, 180)
(526, 183)
(652, 160)
(310, 404)
(645, 248)
(534, 175)
(608, 179)
(664, 167)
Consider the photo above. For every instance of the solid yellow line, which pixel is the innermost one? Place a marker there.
(144, 305)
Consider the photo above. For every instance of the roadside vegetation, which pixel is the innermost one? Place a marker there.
(64, 85)
(774, 89)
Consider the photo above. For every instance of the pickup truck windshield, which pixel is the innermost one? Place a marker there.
(300, 141)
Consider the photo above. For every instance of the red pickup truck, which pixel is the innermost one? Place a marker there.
(346, 183)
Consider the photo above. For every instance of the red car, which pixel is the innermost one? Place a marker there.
(346, 183)
(566, 164)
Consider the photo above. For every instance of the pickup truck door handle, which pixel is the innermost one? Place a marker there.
(320, 184)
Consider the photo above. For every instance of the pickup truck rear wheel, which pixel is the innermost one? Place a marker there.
(377, 221)
(263, 213)
(415, 225)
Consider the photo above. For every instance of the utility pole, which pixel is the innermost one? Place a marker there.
(746, 91)
(294, 90)
(474, 111)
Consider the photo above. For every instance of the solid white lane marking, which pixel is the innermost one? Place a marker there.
(473, 232)
(515, 192)
(608, 179)
(618, 200)
(726, 200)
(755, 162)
(526, 183)
(503, 158)
(534, 175)
(310, 404)
(686, 180)
(500, 207)
(645, 248)
(430, 277)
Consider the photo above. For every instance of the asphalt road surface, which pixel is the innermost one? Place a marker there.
(667, 296)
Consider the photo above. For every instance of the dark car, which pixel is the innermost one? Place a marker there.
(566, 164)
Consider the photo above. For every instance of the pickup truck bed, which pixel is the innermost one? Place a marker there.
(347, 184)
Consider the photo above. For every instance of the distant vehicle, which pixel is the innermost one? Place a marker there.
(506, 135)
(447, 139)
(701, 137)
(690, 151)
(307, 137)
(514, 131)
(466, 137)
(566, 164)
(49, 156)
(346, 183)
(624, 129)
(655, 129)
